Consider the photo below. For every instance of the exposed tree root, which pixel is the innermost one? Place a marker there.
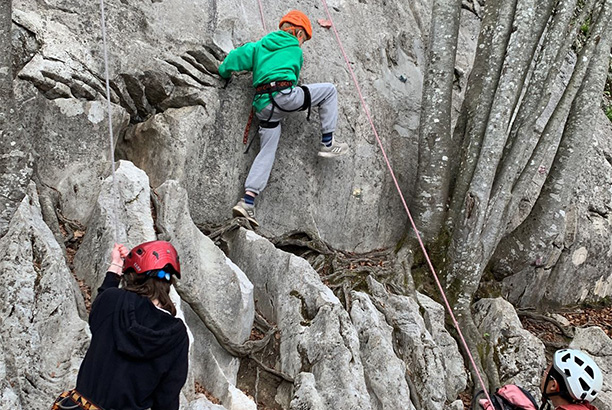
(341, 271)
(565, 330)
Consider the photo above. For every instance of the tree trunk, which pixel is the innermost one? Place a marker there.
(574, 144)
(435, 142)
(502, 147)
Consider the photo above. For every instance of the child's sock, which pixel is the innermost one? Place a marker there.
(249, 199)
(326, 139)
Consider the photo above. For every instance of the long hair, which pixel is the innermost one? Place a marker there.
(151, 288)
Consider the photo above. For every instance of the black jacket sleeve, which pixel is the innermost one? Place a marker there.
(97, 310)
(168, 391)
(110, 281)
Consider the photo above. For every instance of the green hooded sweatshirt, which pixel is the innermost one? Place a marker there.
(276, 57)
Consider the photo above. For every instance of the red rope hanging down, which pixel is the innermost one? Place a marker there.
(416, 231)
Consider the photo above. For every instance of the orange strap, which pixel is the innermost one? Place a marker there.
(75, 397)
(245, 137)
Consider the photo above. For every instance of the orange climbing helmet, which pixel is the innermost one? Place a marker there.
(155, 258)
(299, 19)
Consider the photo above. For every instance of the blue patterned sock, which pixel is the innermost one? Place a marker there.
(249, 199)
(327, 138)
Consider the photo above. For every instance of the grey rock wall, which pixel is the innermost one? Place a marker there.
(122, 213)
(43, 338)
(178, 130)
(343, 354)
(519, 353)
(185, 126)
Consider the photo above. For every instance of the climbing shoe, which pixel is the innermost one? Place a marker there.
(334, 150)
(244, 210)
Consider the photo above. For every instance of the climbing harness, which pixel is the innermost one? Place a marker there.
(114, 190)
(72, 400)
(273, 87)
(270, 88)
(399, 190)
(278, 86)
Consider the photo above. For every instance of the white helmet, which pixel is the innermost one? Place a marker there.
(582, 376)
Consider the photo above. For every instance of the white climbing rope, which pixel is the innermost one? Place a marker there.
(114, 191)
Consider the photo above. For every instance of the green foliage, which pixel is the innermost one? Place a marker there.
(609, 112)
(585, 27)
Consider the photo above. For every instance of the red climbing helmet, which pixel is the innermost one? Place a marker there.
(154, 255)
(299, 19)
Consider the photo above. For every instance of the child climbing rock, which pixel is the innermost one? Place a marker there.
(137, 358)
(276, 61)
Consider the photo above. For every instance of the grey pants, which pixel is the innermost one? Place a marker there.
(323, 95)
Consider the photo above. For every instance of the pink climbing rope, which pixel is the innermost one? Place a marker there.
(261, 14)
(399, 190)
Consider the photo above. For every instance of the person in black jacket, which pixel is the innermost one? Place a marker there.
(138, 356)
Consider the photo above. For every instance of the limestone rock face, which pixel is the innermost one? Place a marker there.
(218, 295)
(454, 371)
(316, 335)
(387, 385)
(43, 337)
(306, 396)
(519, 353)
(347, 362)
(425, 347)
(72, 151)
(164, 56)
(122, 212)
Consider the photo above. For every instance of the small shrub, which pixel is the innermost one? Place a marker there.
(609, 112)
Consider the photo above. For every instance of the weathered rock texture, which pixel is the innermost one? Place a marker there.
(342, 354)
(163, 59)
(178, 130)
(519, 353)
(122, 213)
(43, 337)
